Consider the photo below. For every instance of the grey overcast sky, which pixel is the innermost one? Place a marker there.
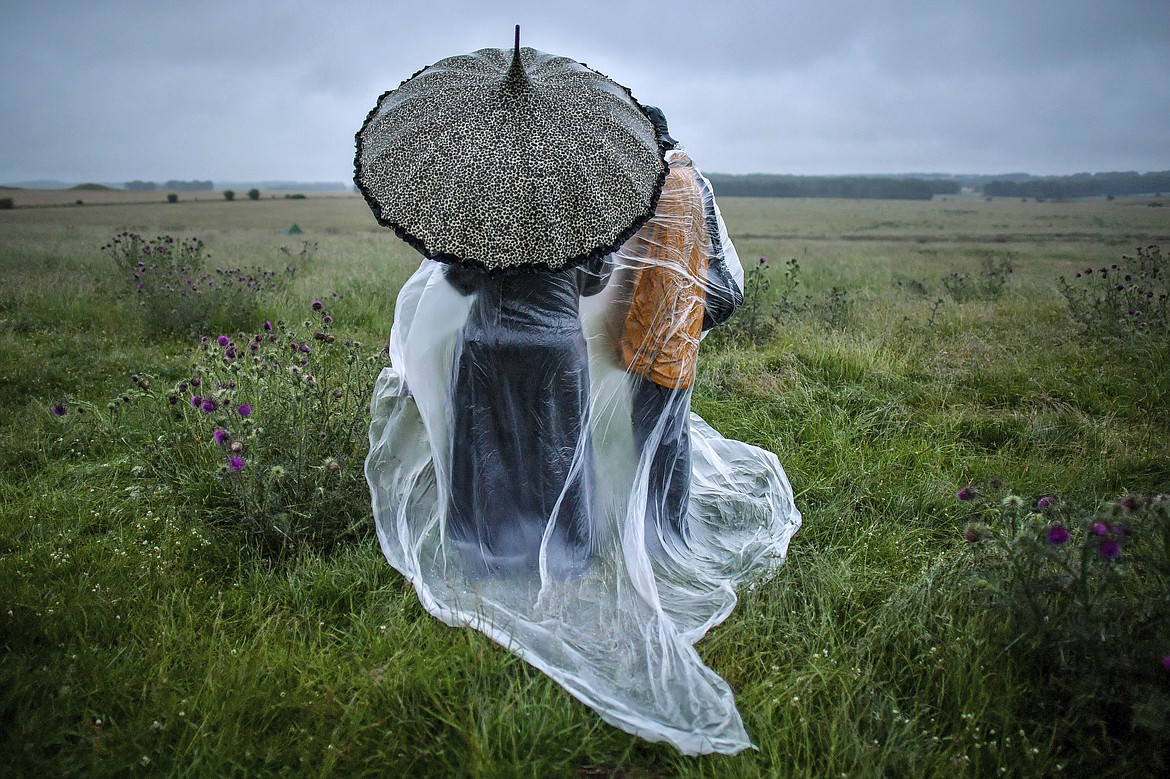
(251, 90)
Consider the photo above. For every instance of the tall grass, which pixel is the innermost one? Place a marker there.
(139, 636)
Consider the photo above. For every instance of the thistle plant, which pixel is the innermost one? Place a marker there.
(1123, 300)
(789, 301)
(1084, 596)
(988, 284)
(753, 319)
(266, 435)
(835, 309)
(761, 310)
(176, 292)
(304, 254)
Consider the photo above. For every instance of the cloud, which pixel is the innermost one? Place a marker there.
(267, 90)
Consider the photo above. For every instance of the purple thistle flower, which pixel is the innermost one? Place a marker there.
(294, 346)
(1166, 662)
(967, 493)
(1129, 503)
(1045, 502)
(306, 348)
(244, 410)
(224, 340)
(58, 409)
(763, 260)
(220, 436)
(196, 401)
(1109, 549)
(1057, 535)
(236, 463)
(318, 305)
(1099, 528)
(196, 381)
(328, 319)
(267, 325)
(208, 405)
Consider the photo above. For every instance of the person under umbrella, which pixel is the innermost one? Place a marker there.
(682, 276)
(521, 454)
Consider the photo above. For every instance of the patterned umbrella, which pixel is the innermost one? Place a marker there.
(510, 160)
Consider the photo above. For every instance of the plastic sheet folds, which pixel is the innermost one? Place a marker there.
(537, 474)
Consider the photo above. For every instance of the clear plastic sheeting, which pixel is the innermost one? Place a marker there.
(537, 475)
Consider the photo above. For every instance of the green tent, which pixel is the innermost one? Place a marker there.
(294, 230)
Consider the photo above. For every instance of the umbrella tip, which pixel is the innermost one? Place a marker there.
(516, 79)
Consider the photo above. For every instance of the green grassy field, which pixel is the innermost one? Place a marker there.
(140, 636)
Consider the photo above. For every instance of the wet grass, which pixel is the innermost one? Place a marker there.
(137, 639)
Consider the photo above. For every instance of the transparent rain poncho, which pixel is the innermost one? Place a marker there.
(537, 474)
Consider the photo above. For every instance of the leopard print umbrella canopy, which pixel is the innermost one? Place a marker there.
(510, 160)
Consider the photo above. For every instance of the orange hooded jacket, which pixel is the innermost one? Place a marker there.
(669, 258)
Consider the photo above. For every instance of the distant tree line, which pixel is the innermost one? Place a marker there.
(857, 187)
(1082, 185)
(181, 186)
(1021, 185)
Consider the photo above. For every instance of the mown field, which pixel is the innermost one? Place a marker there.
(141, 633)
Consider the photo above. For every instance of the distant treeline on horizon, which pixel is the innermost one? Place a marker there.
(177, 186)
(864, 187)
(1082, 185)
(924, 187)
